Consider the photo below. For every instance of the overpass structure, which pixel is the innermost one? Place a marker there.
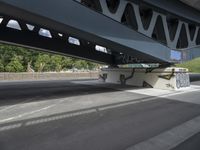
(113, 32)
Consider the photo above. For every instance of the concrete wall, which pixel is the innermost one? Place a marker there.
(47, 76)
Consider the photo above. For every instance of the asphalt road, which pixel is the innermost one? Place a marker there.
(191, 144)
(87, 115)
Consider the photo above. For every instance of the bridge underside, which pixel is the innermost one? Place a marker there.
(193, 3)
(75, 30)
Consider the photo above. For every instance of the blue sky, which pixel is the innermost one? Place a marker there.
(175, 55)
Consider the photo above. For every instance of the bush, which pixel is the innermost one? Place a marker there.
(14, 66)
(1, 66)
(193, 65)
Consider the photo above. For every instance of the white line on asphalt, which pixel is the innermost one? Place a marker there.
(9, 127)
(124, 104)
(145, 100)
(25, 114)
(8, 119)
(103, 107)
(47, 119)
(7, 108)
(58, 117)
(17, 105)
(179, 93)
(171, 138)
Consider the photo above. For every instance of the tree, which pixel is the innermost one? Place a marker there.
(91, 65)
(38, 61)
(80, 64)
(1, 66)
(56, 63)
(14, 66)
(29, 58)
(41, 63)
(67, 63)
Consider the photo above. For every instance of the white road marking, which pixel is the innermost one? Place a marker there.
(58, 117)
(9, 127)
(7, 108)
(163, 94)
(171, 138)
(125, 104)
(179, 93)
(146, 99)
(17, 105)
(25, 114)
(47, 119)
(8, 119)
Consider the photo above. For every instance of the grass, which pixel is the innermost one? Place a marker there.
(193, 65)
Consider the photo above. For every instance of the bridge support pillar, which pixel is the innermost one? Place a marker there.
(171, 78)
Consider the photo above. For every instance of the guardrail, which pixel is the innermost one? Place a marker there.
(48, 76)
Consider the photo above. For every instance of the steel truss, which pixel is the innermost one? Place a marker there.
(149, 28)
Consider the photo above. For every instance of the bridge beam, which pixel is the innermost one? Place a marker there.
(73, 18)
(57, 45)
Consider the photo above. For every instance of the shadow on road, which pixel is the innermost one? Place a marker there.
(24, 92)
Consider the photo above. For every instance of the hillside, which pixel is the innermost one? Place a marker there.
(193, 65)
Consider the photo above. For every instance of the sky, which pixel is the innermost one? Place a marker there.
(176, 55)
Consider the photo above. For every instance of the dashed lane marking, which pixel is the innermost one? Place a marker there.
(101, 108)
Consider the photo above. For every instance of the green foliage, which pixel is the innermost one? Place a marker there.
(80, 64)
(56, 63)
(1, 66)
(14, 66)
(41, 63)
(18, 59)
(193, 65)
(67, 63)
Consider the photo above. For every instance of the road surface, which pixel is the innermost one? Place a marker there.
(88, 115)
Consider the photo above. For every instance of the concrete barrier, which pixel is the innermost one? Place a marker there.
(48, 76)
(170, 78)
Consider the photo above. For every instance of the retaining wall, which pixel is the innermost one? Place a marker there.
(47, 76)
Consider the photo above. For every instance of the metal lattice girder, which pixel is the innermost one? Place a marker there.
(170, 22)
(68, 16)
(177, 8)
